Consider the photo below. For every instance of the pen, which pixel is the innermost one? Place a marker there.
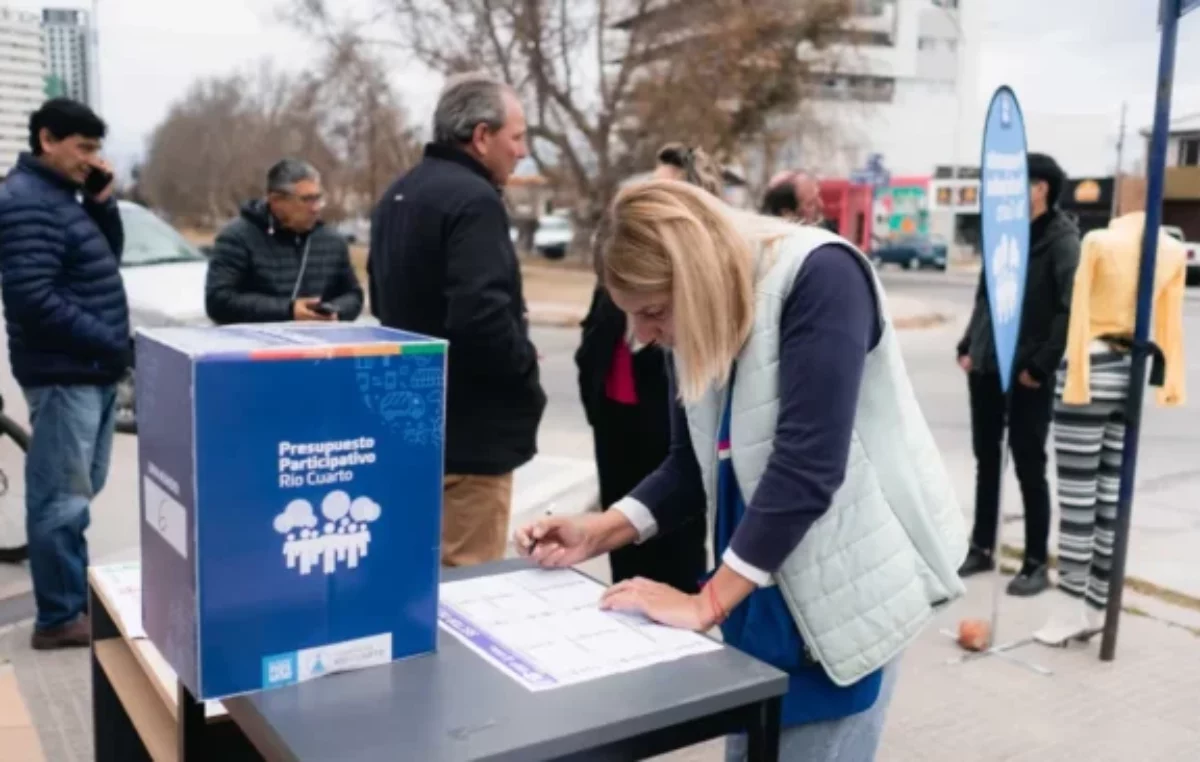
(533, 543)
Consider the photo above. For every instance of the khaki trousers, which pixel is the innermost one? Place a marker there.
(475, 515)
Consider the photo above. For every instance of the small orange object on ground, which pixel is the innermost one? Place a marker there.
(974, 634)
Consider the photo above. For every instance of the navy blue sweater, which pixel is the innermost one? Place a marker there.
(829, 323)
(64, 300)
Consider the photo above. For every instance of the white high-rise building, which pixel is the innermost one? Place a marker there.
(22, 81)
(903, 87)
(69, 53)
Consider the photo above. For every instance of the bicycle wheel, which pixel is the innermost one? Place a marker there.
(14, 441)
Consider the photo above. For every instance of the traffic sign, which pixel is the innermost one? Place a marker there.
(1169, 14)
(1183, 5)
(873, 174)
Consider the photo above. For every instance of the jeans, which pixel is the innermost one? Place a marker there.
(66, 466)
(850, 739)
(1028, 428)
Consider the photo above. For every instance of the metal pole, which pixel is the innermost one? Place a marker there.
(998, 577)
(1116, 199)
(1137, 374)
(955, 158)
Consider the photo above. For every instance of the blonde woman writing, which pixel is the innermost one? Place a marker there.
(833, 518)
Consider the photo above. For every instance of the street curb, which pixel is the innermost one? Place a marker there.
(557, 319)
(1137, 584)
(919, 322)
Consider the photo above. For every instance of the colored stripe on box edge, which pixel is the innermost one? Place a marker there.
(335, 351)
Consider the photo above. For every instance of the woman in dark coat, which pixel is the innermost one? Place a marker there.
(623, 386)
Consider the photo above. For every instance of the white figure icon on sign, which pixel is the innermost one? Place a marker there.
(1004, 276)
(343, 539)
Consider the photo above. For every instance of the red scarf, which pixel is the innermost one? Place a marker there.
(620, 386)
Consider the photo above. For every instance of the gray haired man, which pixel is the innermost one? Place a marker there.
(442, 264)
(277, 262)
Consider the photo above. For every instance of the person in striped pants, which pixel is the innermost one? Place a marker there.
(1088, 447)
(1089, 408)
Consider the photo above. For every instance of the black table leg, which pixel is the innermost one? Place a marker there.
(191, 733)
(763, 733)
(113, 735)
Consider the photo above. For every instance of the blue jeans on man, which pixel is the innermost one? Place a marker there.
(66, 466)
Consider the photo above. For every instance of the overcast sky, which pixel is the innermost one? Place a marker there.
(1071, 62)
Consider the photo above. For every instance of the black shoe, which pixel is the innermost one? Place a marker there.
(978, 561)
(1033, 579)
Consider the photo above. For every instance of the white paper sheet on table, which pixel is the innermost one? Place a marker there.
(545, 628)
(122, 587)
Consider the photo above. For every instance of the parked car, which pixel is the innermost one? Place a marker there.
(912, 252)
(553, 236)
(1193, 253)
(164, 281)
(355, 231)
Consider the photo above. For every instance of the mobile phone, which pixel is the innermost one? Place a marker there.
(324, 308)
(97, 180)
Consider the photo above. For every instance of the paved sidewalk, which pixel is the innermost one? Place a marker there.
(18, 737)
(559, 295)
(1143, 706)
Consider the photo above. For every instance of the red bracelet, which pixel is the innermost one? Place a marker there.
(718, 612)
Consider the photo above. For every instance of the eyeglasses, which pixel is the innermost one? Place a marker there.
(309, 199)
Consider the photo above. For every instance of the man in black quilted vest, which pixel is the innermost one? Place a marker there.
(278, 262)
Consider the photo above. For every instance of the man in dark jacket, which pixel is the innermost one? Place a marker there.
(809, 208)
(277, 261)
(781, 201)
(442, 264)
(1053, 256)
(68, 341)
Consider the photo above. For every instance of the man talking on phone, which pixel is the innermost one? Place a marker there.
(68, 341)
(278, 262)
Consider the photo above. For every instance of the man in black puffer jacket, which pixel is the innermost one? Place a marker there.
(68, 340)
(277, 261)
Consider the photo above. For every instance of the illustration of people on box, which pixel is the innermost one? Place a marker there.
(343, 538)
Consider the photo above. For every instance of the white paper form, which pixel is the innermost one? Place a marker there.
(122, 587)
(544, 628)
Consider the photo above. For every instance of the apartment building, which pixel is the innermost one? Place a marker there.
(22, 80)
(69, 53)
(897, 92)
(1181, 191)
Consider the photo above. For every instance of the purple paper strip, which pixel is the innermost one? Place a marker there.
(511, 662)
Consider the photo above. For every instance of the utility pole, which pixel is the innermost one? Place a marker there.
(1116, 199)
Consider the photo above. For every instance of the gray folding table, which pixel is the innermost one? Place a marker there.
(453, 706)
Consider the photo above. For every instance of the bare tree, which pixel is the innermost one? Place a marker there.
(365, 121)
(608, 81)
(212, 151)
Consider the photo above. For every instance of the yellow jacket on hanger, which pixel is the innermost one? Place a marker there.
(1104, 303)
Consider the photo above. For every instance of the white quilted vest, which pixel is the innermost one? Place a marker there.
(863, 582)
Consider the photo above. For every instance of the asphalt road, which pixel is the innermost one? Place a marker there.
(1166, 521)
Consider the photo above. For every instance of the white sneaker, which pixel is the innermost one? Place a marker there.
(1070, 619)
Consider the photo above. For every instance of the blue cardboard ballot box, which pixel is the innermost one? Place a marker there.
(291, 493)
